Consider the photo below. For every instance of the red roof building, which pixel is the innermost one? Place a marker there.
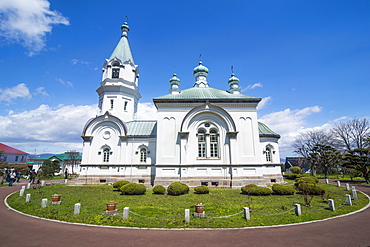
(12, 155)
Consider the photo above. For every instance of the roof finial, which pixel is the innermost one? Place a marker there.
(126, 18)
(200, 58)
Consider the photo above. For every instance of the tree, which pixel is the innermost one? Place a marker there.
(359, 160)
(49, 168)
(352, 133)
(72, 158)
(306, 142)
(324, 157)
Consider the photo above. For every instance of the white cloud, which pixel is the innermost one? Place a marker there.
(65, 83)
(263, 103)
(50, 129)
(19, 91)
(41, 90)
(146, 111)
(288, 124)
(27, 22)
(77, 61)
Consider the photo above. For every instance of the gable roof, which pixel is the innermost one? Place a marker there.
(9, 150)
(206, 93)
(60, 157)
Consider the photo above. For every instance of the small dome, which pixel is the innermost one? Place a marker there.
(233, 79)
(125, 26)
(200, 68)
(174, 79)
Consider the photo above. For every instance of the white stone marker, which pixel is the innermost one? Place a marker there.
(297, 209)
(187, 216)
(77, 209)
(28, 185)
(348, 200)
(21, 192)
(247, 213)
(65, 181)
(126, 211)
(354, 193)
(44, 202)
(331, 204)
(327, 181)
(338, 183)
(347, 186)
(23, 187)
(42, 183)
(28, 197)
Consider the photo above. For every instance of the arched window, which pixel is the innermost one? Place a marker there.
(143, 155)
(268, 155)
(106, 155)
(213, 143)
(201, 143)
(115, 70)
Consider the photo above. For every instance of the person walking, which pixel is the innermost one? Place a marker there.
(11, 178)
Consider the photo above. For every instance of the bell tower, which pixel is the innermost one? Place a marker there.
(119, 91)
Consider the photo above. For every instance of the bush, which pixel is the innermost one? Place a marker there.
(133, 189)
(159, 189)
(310, 189)
(295, 169)
(201, 190)
(283, 189)
(252, 189)
(177, 188)
(119, 184)
(306, 179)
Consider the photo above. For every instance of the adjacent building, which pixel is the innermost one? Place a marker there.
(12, 155)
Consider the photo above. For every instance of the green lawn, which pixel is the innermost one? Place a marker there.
(168, 211)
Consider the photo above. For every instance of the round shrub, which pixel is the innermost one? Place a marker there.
(177, 188)
(159, 189)
(248, 188)
(295, 169)
(306, 179)
(310, 189)
(252, 189)
(283, 189)
(120, 183)
(201, 190)
(133, 189)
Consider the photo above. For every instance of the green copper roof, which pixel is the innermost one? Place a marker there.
(207, 93)
(174, 78)
(60, 157)
(233, 79)
(264, 130)
(122, 50)
(200, 68)
(142, 128)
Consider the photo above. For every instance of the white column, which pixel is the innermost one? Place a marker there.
(297, 209)
(126, 212)
(187, 216)
(77, 208)
(44, 202)
(247, 214)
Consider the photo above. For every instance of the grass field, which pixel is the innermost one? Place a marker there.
(164, 211)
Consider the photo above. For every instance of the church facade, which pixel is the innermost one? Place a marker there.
(202, 135)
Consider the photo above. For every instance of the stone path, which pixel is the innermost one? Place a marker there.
(19, 230)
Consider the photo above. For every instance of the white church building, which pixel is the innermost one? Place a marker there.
(202, 135)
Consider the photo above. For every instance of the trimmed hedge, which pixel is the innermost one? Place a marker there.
(295, 169)
(177, 188)
(159, 189)
(120, 183)
(283, 189)
(201, 190)
(133, 189)
(292, 176)
(252, 189)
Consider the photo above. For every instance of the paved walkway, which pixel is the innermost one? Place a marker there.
(19, 230)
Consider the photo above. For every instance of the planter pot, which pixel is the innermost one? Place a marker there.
(55, 198)
(199, 208)
(111, 206)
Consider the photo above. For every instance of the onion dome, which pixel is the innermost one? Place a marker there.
(234, 84)
(200, 69)
(174, 82)
(125, 28)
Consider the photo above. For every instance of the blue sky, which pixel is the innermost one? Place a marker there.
(308, 60)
